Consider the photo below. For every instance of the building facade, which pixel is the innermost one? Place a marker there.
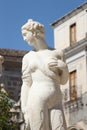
(70, 35)
(11, 72)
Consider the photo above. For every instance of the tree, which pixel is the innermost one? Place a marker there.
(5, 115)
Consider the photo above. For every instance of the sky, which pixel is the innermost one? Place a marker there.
(15, 13)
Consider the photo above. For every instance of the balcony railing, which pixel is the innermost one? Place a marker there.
(74, 105)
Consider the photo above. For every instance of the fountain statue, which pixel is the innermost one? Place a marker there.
(43, 71)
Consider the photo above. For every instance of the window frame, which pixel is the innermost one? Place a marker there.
(73, 85)
(72, 34)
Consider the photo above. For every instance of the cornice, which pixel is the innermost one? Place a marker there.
(12, 52)
(76, 48)
(69, 15)
(12, 55)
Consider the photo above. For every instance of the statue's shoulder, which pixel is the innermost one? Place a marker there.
(28, 55)
(57, 51)
(59, 54)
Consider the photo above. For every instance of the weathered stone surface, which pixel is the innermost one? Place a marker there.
(43, 71)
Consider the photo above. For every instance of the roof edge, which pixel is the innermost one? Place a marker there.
(69, 15)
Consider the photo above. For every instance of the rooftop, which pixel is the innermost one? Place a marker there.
(12, 52)
(70, 14)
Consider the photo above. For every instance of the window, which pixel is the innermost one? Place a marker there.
(73, 86)
(73, 34)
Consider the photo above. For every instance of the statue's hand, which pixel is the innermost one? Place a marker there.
(56, 64)
(53, 64)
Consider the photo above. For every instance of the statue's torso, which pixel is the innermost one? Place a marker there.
(45, 83)
(38, 65)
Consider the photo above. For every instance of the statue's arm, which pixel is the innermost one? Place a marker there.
(64, 73)
(58, 64)
(26, 84)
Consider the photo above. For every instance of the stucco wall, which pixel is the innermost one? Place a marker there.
(61, 32)
(76, 112)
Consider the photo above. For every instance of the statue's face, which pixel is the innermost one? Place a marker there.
(28, 37)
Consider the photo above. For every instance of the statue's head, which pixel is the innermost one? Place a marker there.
(33, 28)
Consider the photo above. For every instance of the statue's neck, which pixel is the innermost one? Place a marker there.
(40, 45)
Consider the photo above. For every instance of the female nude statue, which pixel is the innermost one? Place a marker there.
(43, 71)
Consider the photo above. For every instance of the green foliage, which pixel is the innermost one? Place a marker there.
(5, 115)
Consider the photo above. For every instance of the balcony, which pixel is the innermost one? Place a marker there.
(74, 105)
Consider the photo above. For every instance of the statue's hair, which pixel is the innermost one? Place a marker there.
(35, 27)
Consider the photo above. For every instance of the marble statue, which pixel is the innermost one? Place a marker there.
(43, 71)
